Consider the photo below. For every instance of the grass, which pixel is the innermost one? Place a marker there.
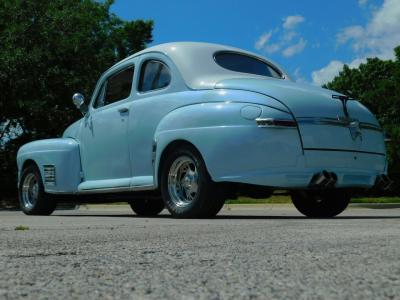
(21, 227)
(376, 200)
(286, 199)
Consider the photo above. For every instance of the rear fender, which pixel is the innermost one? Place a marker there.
(228, 138)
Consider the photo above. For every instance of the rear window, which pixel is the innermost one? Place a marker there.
(245, 64)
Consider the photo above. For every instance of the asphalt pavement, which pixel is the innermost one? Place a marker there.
(247, 252)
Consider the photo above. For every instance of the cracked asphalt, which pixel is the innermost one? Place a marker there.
(247, 252)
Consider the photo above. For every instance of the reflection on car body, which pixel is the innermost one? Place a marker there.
(186, 125)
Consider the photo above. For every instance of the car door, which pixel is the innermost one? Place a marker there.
(104, 141)
(150, 106)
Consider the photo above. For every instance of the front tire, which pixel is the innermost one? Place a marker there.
(186, 186)
(147, 207)
(321, 204)
(32, 198)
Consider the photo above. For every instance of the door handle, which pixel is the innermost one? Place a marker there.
(123, 110)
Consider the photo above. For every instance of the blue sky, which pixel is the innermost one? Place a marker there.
(311, 39)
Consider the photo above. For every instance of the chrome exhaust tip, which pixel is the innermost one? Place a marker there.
(383, 183)
(333, 179)
(323, 179)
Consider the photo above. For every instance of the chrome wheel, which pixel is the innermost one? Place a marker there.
(30, 191)
(183, 181)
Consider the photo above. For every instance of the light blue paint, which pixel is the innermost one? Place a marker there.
(110, 151)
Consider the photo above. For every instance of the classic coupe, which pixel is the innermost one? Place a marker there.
(185, 126)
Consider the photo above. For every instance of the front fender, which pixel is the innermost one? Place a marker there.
(62, 154)
(229, 139)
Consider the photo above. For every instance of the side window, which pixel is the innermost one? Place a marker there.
(119, 86)
(154, 75)
(100, 96)
(115, 88)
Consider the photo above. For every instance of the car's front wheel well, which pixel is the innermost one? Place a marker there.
(27, 163)
(171, 147)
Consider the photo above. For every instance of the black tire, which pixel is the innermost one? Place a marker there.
(147, 207)
(324, 204)
(209, 197)
(42, 204)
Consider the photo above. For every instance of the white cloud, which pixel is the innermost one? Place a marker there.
(377, 38)
(295, 49)
(362, 2)
(262, 40)
(273, 48)
(331, 70)
(349, 33)
(285, 40)
(289, 36)
(298, 76)
(290, 22)
(327, 73)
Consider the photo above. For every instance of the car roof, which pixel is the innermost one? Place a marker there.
(195, 62)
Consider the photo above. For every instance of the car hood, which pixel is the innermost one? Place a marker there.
(303, 100)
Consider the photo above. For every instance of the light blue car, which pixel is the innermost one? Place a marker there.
(187, 125)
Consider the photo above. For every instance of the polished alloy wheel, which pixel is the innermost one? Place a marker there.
(183, 181)
(30, 191)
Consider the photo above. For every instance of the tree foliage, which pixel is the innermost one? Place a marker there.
(48, 50)
(376, 84)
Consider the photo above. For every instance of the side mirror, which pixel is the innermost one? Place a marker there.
(79, 101)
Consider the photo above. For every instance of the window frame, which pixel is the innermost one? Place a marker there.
(139, 74)
(104, 82)
(275, 68)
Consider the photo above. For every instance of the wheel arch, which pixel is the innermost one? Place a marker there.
(28, 162)
(167, 150)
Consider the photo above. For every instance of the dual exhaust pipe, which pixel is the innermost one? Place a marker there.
(323, 179)
(327, 179)
(383, 183)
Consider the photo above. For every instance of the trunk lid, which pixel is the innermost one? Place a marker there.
(322, 121)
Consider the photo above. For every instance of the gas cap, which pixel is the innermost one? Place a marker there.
(250, 112)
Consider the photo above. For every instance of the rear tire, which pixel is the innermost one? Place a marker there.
(186, 186)
(147, 207)
(324, 204)
(32, 198)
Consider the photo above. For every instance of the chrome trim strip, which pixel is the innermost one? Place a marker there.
(344, 150)
(53, 192)
(118, 189)
(364, 125)
(275, 123)
(343, 122)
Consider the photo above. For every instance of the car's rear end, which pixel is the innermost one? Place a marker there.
(341, 139)
(318, 144)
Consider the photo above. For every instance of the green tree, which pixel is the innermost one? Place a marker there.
(376, 84)
(48, 50)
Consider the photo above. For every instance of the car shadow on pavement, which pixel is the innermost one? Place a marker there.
(303, 217)
(232, 217)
